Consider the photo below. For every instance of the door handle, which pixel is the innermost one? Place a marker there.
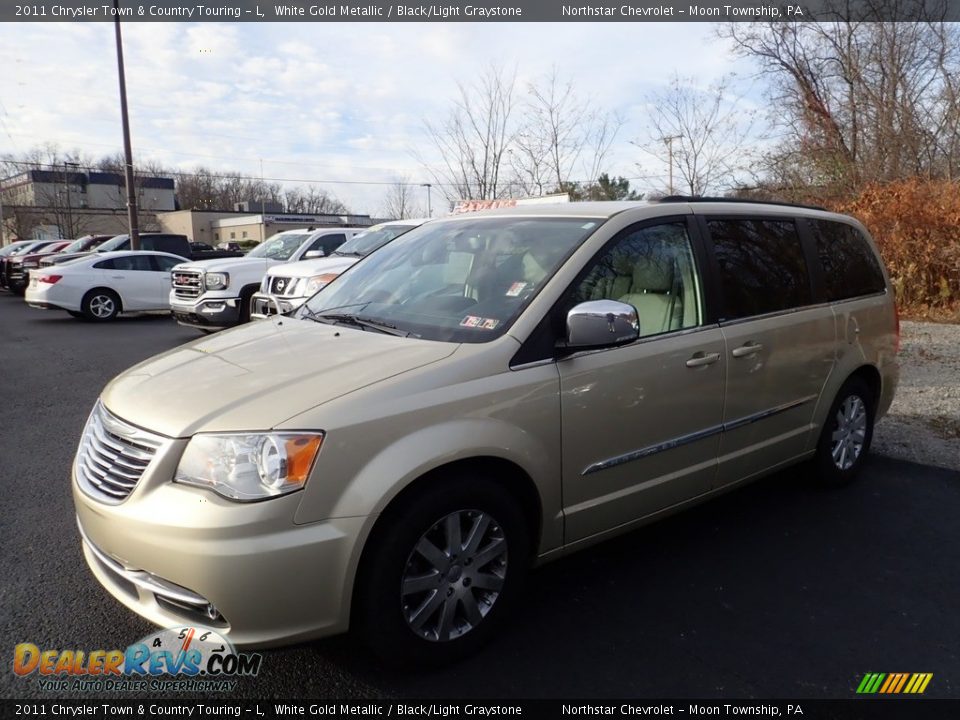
(701, 359)
(750, 348)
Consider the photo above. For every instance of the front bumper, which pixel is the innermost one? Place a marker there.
(216, 313)
(175, 554)
(264, 305)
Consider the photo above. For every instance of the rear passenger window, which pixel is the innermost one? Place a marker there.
(762, 267)
(850, 268)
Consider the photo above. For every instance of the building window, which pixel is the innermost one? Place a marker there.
(244, 233)
(216, 236)
(233, 236)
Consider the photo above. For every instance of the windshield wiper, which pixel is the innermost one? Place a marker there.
(363, 322)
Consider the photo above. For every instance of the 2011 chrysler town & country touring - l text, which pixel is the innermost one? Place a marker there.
(484, 393)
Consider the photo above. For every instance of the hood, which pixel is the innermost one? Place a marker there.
(309, 268)
(228, 264)
(256, 376)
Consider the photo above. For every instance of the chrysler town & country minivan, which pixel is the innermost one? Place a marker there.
(485, 393)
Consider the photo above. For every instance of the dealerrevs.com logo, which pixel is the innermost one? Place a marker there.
(183, 659)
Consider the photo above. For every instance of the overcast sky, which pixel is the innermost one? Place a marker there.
(320, 101)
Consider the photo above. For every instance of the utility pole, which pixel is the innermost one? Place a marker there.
(429, 206)
(263, 212)
(132, 216)
(669, 141)
(66, 181)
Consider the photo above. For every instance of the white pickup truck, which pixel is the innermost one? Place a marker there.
(286, 287)
(215, 294)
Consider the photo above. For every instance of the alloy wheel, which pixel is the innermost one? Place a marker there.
(454, 575)
(102, 306)
(850, 433)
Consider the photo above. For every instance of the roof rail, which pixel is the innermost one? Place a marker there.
(703, 198)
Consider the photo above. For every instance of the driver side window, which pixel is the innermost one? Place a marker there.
(651, 268)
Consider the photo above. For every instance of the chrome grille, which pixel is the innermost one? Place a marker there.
(187, 284)
(282, 286)
(112, 456)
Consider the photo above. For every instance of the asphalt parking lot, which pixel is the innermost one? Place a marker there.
(777, 590)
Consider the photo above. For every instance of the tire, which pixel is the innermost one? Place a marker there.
(403, 595)
(847, 433)
(100, 305)
(246, 297)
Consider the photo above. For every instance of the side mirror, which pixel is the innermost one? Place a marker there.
(600, 324)
(311, 254)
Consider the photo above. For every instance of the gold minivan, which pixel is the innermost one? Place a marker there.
(485, 393)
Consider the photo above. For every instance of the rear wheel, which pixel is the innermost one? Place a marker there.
(442, 571)
(100, 305)
(847, 433)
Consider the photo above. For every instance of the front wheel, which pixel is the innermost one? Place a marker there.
(847, 433)
(442, 572)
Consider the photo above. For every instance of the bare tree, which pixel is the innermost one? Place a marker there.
(313, 201)
(860, 101)
(204, 189)
(702, 133)
(561, 138)
(474, 138)
(401, 202)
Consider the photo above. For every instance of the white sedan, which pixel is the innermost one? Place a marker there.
(102, 286)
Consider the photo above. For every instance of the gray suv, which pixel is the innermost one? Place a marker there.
(484, 393)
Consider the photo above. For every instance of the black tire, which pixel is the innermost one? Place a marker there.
(843, 435)
(478, 596)
(246, 297)
(100, 305)
(75, 314)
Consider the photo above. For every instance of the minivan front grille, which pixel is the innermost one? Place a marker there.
(112, 456)
(187, 284)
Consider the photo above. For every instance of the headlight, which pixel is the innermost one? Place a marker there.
(216, 281)
(318, 282)
(246, 467)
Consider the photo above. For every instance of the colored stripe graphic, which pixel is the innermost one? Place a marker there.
(894, 683)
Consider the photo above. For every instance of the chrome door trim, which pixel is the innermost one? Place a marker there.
(652, 449)
(693, 437)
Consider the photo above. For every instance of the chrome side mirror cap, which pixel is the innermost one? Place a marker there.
(311, 254)
(601, 324)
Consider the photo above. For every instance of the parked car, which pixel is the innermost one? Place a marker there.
(286, 287)
(160, 242)
(202, 247)
(14, 246)
(212, 295)
(12, 274)
(15, 277)
(102, 285)
(229, 245)
(484, 392)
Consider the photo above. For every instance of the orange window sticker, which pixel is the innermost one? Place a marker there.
(470, 321)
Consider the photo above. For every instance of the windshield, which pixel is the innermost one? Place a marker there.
(81, 244)
(14, 247)
(117, 242)
(279, 247)
(366, 242)
(458, 281)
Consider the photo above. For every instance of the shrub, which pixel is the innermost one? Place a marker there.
(916, 225)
